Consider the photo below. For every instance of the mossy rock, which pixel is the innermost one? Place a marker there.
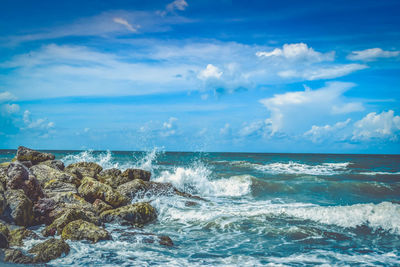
(132, 174)
(20, 207)
(112, 177)
(90, 189)
(135, 214)
(83, 230)
(49, 250)
(16, 256)
(67, 216)
(27, 154)
(45, 174)
(89, 169)
(4, 235)
(55, 164)
(101, 206)
(17, 236)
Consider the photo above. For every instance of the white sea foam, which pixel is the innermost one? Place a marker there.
(380, 173)
(197, 179)
(292, 167)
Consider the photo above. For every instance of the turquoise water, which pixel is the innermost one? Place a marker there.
(263, 210)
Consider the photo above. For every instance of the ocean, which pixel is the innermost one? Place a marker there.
(261, 210)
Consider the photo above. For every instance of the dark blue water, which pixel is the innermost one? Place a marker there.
(263, 209)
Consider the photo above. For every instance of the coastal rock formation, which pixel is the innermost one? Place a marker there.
(17, 236)
(16, 256)
(20, 207)
(89, 169)
(4, 236)
(132, 174)
(49, 250)
(91, 190)
(83, 230)
(27, 154)
(101, 206)
(55, 164)
(135, 214)
(45, 174)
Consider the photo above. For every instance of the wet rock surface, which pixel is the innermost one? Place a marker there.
(83, 230)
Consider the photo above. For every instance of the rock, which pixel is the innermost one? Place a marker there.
(135, 188)
(3, 203)
(54, 186)
(20, 207)
(16, 256)
(165, 241)
(135, 214)
(4, 236)
(55, 164)
(132, 174)
(18, 235)
(42, 210)
(101, 206)
(112, 177)
(89, 169)
(3, 175)
(49, 250)
(66, 217)
(27, 154)
(27, 163)
(20, 178)
(45, 174)
(90, 189)
(82, 230)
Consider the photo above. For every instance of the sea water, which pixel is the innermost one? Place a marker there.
(261, 210)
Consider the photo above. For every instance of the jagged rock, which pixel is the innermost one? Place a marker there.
(27, 154)
(112, 177)
(16, 256)
(17, 236)
(3, 175)
(4, 236)
(56, 164)
(132, 174)
(49, 250)
(139, 188)
(3, 203)
(68, 216)
(20, 178)
(46, 174)
(20, 207)
(42, 210)
(82, 230)
(89, 169)
(135, 214)
(91, 190)
(54, 186)
(101, 206)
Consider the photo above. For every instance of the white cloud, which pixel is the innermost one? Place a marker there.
(318, 73)
(40, 124)
(347, 108)
(169, 127)
(373, 125)
(292, 112)
(209, 72)
(256, 128)
(6, 97)
(226, 129)
(180, 5)
(11, 108)
(321, 133)
(127, 25)
(298, 51)
(372, 54)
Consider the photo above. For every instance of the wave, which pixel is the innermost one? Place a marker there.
(197, 179)
(296, 168)
(379, 173)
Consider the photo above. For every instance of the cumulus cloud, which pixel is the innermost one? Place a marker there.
(210, 71)
(169, 127)
(6, 97)
(373, 125)
(295, 111)
(297, 51)
(11, 108)
(372, 54)
(226, 129)
(180, 5)
(347, 108)
(321, 133)
(125, 23)
(40, 124)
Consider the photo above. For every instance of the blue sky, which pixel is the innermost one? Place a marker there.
(183, 75)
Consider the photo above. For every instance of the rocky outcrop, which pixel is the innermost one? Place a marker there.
(16, 256)
(132, 174)
(4, 236)
(46, 174)
(55, 164)
(88, 169)
(134, 214)
(111, 177)
(27, 154)
(82, 230)
(91, 190)
(49, 250)
(19, 177)
(101, 206)
(20, 207)
(17, 236)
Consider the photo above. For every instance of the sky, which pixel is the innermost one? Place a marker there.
(197, 75)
